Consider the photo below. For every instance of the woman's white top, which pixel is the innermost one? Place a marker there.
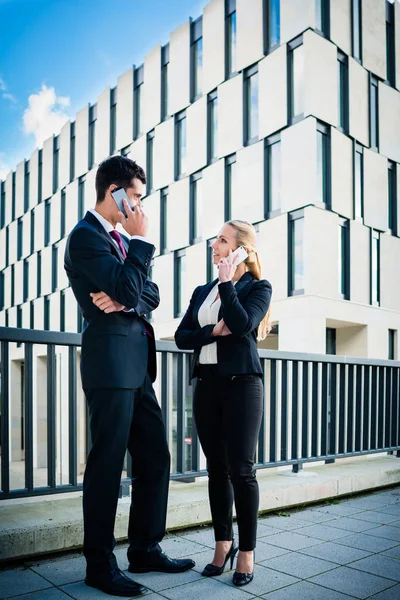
(208, 315)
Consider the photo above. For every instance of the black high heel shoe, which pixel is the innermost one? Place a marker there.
(213, 570)
(240, 579)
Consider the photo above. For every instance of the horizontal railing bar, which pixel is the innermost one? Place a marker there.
(59, 338)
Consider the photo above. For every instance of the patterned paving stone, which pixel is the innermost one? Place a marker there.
(384, 566)
(349, 581)
(14, 582)
(299, 565)
(335, 553)
(304, 590)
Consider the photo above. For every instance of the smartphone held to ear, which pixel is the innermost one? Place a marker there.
(119, 194)
(241, 252)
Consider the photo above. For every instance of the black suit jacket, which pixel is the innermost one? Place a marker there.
(116, 350)
(243, 307)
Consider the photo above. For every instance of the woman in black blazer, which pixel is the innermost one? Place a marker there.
(222, 324)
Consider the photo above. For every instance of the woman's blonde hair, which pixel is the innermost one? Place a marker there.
(246, 237)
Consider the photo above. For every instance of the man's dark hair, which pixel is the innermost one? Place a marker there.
(119, 170)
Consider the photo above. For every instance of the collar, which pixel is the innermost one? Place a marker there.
(106, 224)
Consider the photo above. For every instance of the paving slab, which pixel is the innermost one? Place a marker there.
(265, 580)
(370, 543)
(336, 553)
(14, 582)
(384, 566)
(355, 583)
(304, 590)
(299, 565)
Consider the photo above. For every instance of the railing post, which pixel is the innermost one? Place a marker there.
(297, 467)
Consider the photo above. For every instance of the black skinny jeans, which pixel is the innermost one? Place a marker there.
(228, 415)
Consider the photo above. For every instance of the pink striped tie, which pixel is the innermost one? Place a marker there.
(116, 236)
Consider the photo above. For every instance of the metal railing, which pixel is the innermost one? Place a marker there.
(316, 408)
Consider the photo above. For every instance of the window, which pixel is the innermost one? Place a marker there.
(373, 113)
(54, 268)
(1, 290)
(40, 175)
(344, 259)
(390, 45)
(138, 113)
(212, 271)
(296, 253)
(273, 175)
(180, 145)
(197, 58)
(62, 311)
(196, 208)
(273, 24)
(19, 321)
(323, 163)
(63, 215)
(180, 283)
(56, 162)
(163, 221)
(230, 183)
(212, 127)
(72, 151)
(12, 285)
(343, 92)
(296, 80)
(251, 105)
(7, 246)
(32, 231)
(13, 197)
(39, 275)
(113, 120)
(150, 162)
(392, 339)
(375, 268)
(26, 185)
(81, 197)
(322, 10)
(231, 37)
(358, 182)
(164, 82)
(46, 319)
(32, 314)
(330, 340)
(392, 197)
(26, 280)
(92, 135)
(2, 204)
(19, 239)
(356, 29)
(47, 222)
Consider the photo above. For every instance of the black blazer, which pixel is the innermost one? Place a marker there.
(243, 307)
(116, 350)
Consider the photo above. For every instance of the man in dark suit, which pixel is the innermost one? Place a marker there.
(109, 277)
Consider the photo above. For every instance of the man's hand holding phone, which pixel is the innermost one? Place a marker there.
(136, 222)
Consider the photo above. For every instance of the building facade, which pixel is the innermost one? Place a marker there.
(283, 113)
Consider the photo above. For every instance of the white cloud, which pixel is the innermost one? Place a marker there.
(46, 114)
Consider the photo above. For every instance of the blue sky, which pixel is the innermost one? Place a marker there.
(77, 47)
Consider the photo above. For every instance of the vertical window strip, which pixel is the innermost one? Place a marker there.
(212, 145)
(197, 58)
(272, 24)
(356, 29)
(56, 162)
(138, 124)
(392, 198)
(113, 120)
(295, 80)
(92, 135)
(163, 221)
(164, 82)
(296, 253)
(358, 182)
(390, 45)
(26, 185)
(374, 113)
(375, 268)
(72, 152)
(150, 161)
(272, 176)
(251, 105)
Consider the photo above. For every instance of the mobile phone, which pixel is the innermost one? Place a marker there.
(119, 194)
(241, 252)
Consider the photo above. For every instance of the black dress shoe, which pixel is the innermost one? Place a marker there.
(211, 570)
(240, 579)
(116, 584)
(145, 562)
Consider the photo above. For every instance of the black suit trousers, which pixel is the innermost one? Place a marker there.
(228, 413)
(122, 419)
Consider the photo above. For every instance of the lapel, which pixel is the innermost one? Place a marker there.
(91, 219)
(241, 284)
(239, 287)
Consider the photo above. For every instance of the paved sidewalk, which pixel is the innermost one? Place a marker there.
(332, 551)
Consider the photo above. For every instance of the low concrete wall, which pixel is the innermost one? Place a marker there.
(35, 526)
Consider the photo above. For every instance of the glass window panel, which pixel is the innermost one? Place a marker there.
(252, 106)
(358, 175)
(274, 22)
(198, 208)
(182, 146)
(356, 29)
(232, 43)
(197, 67)
(298, 254)
(274, 171)
(165, 91)
(298, 81)
(375, 270)
(322, 142)
(214, 128)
